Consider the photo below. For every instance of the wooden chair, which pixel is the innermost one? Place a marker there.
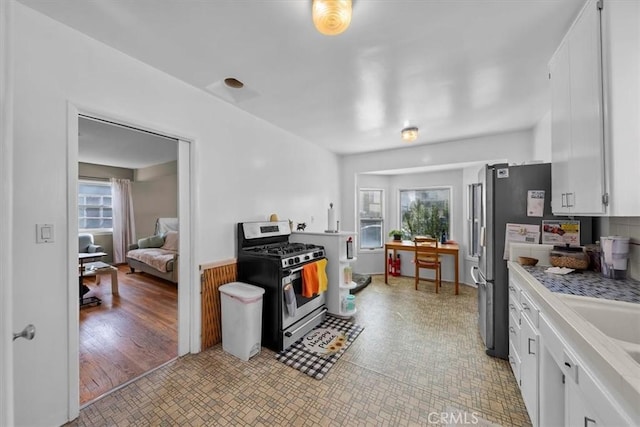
(427, 257)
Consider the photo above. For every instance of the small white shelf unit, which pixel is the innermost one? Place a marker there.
(335, 247)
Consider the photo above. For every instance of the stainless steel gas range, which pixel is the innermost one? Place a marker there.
(267, 259)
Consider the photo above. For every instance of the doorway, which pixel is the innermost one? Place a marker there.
(106, 155)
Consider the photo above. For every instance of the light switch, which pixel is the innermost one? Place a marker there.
(44, 233)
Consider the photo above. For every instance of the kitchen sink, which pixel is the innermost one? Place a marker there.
(618, 320)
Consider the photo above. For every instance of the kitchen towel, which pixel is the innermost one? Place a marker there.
(314, 278)
(290, 299)
(310, 281)
(322, 275)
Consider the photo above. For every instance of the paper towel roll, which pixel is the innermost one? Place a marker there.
(332, 219)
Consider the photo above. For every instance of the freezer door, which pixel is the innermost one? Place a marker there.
(485, 307)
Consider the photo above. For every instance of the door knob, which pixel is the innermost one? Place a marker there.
(28, 333)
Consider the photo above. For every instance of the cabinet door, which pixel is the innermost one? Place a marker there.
(529, 368)
(586, 167)
(577, 412)
(560, 128)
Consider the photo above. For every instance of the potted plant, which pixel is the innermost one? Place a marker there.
(397, 234)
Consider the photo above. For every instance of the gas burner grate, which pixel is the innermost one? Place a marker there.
(282, 249)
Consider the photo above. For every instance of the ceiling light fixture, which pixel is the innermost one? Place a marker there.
(409, 134)
(331, 17)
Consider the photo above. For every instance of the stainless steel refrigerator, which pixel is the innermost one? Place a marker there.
(504, 192)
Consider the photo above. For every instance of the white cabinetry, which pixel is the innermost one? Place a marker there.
(585, 402)
(335, 247)
(577, 118)
(558, 386)
(524, 346)
(595, 103)
(577, 410)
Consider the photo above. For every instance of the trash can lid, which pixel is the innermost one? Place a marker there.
(241, 290)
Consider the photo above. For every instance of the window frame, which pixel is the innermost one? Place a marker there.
(97, 181)
(382, 220)
(450, 223)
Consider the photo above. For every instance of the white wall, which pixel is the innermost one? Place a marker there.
(155, 195)
(542, 139)
(514, 147)
(238, 164)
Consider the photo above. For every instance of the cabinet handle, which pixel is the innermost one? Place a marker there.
(512, 289)
(564, 200)
(588, 420)
(525, 306)
(512, 330)
(569, 202)
(512, 307)
(529, 345)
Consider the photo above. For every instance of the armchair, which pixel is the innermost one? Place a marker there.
(86, 245)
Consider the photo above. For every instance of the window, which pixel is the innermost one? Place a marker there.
(474, 219)
(425, 212)
(94, 206)
(371, 218)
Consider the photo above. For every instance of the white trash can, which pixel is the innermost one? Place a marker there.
(241, 305)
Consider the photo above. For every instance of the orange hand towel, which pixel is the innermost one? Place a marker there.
(322, 275)
(310, 282)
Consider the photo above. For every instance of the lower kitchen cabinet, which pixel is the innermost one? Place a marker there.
(578, 413)
(524, 346)
(529, 368)
(558, 386)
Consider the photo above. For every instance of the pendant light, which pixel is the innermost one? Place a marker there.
(331, 17)
(409, 134)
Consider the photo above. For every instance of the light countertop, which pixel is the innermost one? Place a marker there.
(587, 283)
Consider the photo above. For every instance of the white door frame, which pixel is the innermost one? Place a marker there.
(189, 324)
(6, 213)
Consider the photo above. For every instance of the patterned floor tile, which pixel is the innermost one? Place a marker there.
(419, 355)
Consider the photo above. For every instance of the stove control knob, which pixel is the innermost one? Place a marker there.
(306, 257)
(297, 259)
(290, 261)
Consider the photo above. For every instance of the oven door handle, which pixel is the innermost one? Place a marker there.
(295, 270)
(291, 333)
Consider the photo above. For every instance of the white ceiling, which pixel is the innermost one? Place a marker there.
(454, 68)
(108, 144)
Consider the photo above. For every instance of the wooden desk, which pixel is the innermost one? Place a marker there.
(407, 245)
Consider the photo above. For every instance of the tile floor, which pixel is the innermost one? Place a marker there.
(419, 356)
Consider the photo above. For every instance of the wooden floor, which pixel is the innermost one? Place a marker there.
(127, 335)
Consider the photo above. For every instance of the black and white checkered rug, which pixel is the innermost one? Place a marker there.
(315, 353)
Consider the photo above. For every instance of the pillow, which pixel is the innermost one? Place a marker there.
(171, 241)
(151, 242)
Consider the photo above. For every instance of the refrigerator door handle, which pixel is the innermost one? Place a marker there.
(479, 280)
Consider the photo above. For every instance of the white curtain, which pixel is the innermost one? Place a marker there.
(124, 229)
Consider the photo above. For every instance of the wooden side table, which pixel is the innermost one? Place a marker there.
(99, 268)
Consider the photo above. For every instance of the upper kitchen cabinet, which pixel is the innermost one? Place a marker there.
(595, 87)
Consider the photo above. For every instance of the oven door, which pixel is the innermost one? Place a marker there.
(299, 313)
(295, 306)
